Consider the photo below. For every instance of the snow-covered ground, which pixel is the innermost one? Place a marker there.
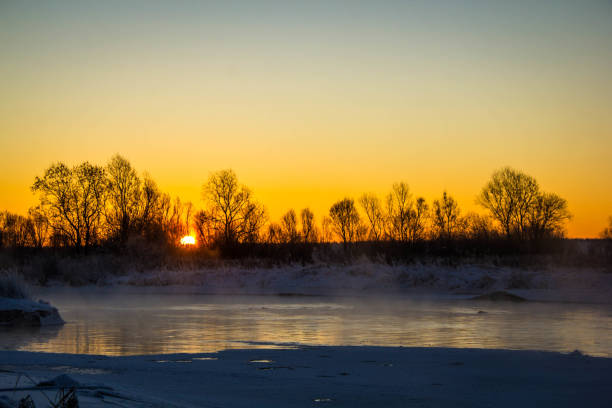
(27, 311)
(323, 376)
(546, 283)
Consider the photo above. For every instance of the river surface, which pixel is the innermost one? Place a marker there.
(156, 320)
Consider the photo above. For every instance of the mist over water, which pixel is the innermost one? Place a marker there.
(155, 320)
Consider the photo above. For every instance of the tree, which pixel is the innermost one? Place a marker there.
(345, 220)
(124, 195)
(150, 210)
(509, 196)
(446, 217)
(91, 187)
(275, 234)
(373, 210)
(289, 227)
(399, 207)
(309, 228)
(327, 233)
(16, 230)
(253, 219)
(418, 217)
(547, 216)
(40, 226)
(477, 226)
(73, 200)
(231, 209)
(607, 232)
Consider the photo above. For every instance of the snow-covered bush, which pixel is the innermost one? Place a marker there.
(13, 286)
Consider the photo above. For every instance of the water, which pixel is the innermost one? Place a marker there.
(155, 321)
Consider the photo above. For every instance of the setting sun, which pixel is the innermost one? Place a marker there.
(188, 240)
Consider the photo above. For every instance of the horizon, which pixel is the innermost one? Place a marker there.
(315, 102)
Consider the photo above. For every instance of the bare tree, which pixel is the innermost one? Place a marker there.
(17, 230)
(205, 231)
(124, 196)
(73, 200)
(149, 208)
(417, 220)
(275, 234)
(373, 210)
(253, 217)
(91, 184)
(345, 220)
(309, 228)
(477, 226)
(234, 214)
(289, 227)
(509, 196)
(175, 228)
(399, 207)
(446, 217)
(607, 232)
(547, 216)
(327, 233)
(40, 226)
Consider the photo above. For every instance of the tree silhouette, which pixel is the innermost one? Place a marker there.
(289, 227)
(231, 210)
(399, 207)
(345, 220)
(40, 226)
(522, 210)
(16, 231)
(373, 210)
(73, 200)
(327, 233)
(446, 217)
(309, 228)
(547, 216)
(508, 196)
(275, 234)
(418, 217)
(124, 197)
(607, 232)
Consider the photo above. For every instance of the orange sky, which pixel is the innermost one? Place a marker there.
(310, 103)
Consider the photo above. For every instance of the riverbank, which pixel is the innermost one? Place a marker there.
(546, 283)
(325, 376)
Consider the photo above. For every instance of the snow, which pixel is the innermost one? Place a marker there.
(545, 283)
(325, 376)
(46, 314)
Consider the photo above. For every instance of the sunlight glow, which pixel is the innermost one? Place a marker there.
(188, 240)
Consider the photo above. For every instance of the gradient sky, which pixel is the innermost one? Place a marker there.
(312, 101)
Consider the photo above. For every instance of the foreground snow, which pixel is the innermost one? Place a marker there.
(324, 376)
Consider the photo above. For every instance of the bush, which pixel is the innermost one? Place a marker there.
(13, 286)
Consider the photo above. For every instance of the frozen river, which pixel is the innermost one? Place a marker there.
(160, 320)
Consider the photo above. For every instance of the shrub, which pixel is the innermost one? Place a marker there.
(13, 286)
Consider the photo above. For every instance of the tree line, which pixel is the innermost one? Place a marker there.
(88, 205)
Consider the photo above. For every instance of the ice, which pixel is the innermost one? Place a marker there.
(333, 376)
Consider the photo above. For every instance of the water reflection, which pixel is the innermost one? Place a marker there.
(153, 323)
(16, 338)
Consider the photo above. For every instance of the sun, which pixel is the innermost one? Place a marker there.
(188, 240)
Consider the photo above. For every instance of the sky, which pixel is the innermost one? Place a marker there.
(309, 102)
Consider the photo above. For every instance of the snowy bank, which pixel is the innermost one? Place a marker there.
(327, 376)
(28, 312)
(546, 283)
